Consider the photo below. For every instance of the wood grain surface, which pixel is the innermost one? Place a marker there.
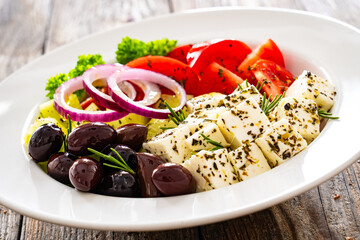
(30, 28)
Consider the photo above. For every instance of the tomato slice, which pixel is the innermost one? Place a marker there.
(267, 50)
(170, 67)
(228, 53)
(180, 53)
(216, 78)
(277, 79)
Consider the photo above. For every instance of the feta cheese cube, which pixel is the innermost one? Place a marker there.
(197, 142)
(170, 145)
(301, 114)
(248, 161)
(205, 101)
(240, 95)
(243, 123)
(280, 142)
(211, 169)
(310, 86)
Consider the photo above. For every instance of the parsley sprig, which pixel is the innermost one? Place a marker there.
(268, 105)
(216, 144)
(326, 114)
(122, 165)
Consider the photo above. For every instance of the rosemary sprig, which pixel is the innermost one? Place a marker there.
(240, 87)
(268, 105)
(325, 114)
(69, 130)
(257, 86)
(216, 144)
(178, 117)
(166, 128)
(117, 164)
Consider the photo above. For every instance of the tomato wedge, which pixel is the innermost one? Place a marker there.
(275, 77)
(170, 67)
(267, 50)
(228, 53)
(216, 78)
(180, 53)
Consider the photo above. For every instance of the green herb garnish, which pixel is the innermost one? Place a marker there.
(325, 114)
(268, 105)
(117, 164)
(178, 117)
(217, 145)
(259, 88)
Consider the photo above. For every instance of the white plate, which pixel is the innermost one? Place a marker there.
(323, 45)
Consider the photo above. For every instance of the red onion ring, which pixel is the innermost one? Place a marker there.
(151, 91)
(75, 114)
(140, 74)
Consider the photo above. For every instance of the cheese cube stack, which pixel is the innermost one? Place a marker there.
(243, 123)
(310, 86)
(280, 142)
(205, 101)
(301, 114)
(170, 145)
(248, 161)
(240, 95)
(211, 169)
(197, 142)
(201, 118)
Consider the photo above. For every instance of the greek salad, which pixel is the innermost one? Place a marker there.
(168, 120)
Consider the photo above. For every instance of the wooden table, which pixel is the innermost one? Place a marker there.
(31, 28)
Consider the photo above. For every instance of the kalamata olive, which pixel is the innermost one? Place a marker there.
(85, 174)
(59, 165)
(119, 183)
(147, 162)
(132, 135)
(94, 135)
(173, 179)
(45, 141)
(125, 152)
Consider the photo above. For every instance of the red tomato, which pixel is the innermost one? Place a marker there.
(216, 78)
(277, 79)
(228, 53)
(170, 67)
(180, 52)
(267, 50)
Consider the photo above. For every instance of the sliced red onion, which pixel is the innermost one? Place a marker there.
(144, 75)
(151, 91)
(75, 114)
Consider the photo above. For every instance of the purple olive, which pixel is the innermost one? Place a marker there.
(85, 174)
(173, 179)
(45, 141)
(94, 135)
(132, 135)
(59, 165)
(147, 162)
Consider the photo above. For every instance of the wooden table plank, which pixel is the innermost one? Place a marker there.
(315, 214)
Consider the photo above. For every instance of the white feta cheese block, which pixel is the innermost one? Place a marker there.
(197, 142)
(302, 115)
(248, 161)
(280, 142)
(211, 169)
(310, 86)
(240, 95)
(201, 118)
(171, 145)
(206, 101)
(243, 123)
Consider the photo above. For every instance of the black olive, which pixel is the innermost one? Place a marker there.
(45, 141)
(119, 183)
(132, 135)
(85, 174)
(59, 165)
(90, 135)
